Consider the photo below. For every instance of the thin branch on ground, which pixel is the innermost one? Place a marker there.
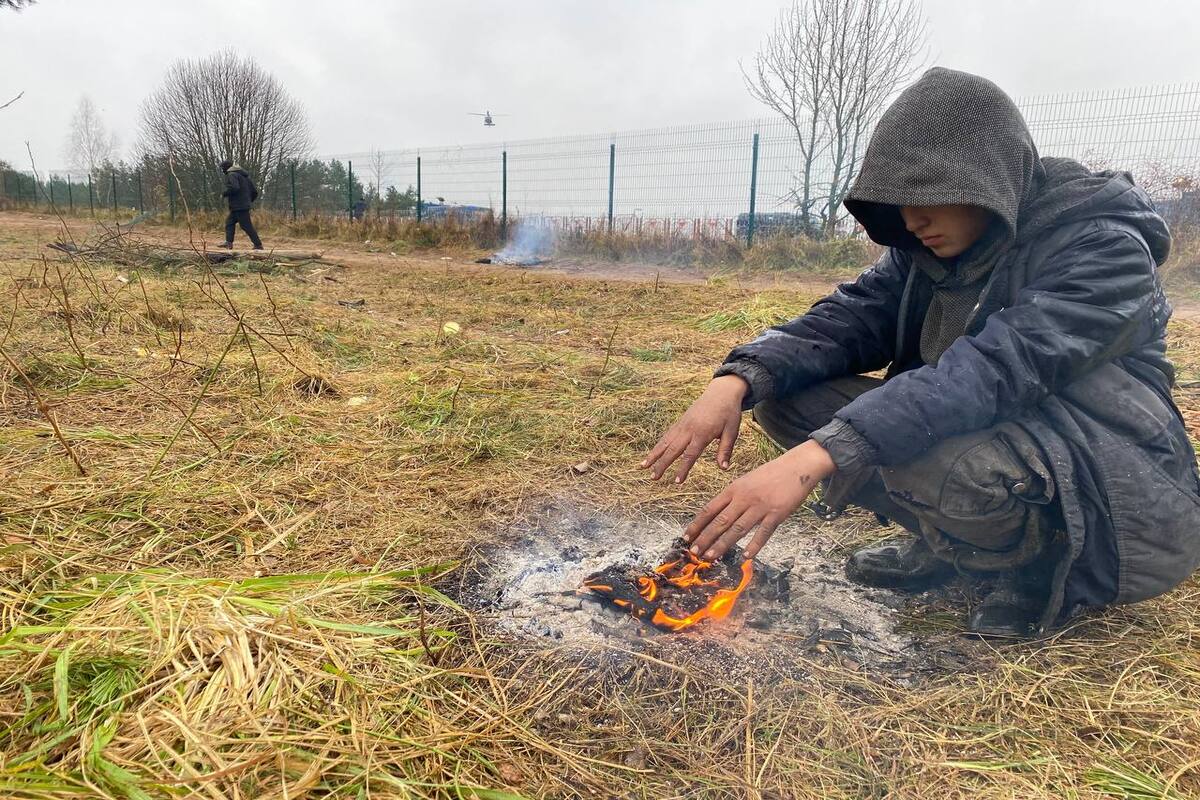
(603, 369)
(200, 397)
(45, 411)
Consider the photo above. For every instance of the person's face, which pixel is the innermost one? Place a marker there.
(946, 230)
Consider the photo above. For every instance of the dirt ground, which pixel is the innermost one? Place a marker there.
(378, 256)
(368, 255)
(234, 502)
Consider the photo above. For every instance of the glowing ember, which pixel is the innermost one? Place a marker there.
(678, 593)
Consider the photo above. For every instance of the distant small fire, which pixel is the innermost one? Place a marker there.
(678, 593)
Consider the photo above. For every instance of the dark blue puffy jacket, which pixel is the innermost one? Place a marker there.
(1069, 340)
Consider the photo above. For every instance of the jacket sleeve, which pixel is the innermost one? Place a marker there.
(253, 190)
(231, 185)
(1084, 309)
(849, 332)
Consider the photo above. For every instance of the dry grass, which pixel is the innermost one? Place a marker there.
(400, 235)
(234, 599)
(835, 258)
(769, 254)
(1182, 270)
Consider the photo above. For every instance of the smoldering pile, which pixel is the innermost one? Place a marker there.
(684, 590)
(531, 244)
(797, 606)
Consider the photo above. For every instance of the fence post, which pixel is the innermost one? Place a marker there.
(753, 192)
(418, 188)
(350, 189)
(50, 180)
(113, 175)
(141, 200)
(293, 173)
(70, 195)
(612, 166)
(91, 196)
(171, 195)
(503, 193)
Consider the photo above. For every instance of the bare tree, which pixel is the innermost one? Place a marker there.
(829, 67)
(789, 78)
(89, 144)
(16, 5)
(223, 106)
(378, 164)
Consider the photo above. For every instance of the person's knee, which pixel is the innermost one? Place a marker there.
(783, 422)
(791, 420)
(976, 487)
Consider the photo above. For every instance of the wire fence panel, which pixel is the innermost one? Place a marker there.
(703, 172)
(692, 179)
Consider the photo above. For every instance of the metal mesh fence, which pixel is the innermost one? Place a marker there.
(693, 178)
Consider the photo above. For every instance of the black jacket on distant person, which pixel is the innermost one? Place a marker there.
(1067, 338)
(240, 191)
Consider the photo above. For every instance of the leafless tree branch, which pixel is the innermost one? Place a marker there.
(829, 68)
(223, 106)
(378, 165)
(90, 144)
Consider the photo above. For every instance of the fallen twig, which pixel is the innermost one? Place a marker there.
(45, 411)
(603, 369)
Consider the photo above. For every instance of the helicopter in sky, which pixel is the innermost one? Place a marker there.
(488, 122)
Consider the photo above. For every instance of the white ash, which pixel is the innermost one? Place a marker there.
(530, 586)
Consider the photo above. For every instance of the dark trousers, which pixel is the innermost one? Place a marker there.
(983, 501)
(241, 217)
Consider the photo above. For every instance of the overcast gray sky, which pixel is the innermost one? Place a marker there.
(373, 73)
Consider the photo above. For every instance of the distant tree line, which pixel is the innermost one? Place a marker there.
(321, 188)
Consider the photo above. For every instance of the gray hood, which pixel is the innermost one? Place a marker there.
(953, 138)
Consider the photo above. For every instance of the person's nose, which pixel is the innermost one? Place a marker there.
(914, 220)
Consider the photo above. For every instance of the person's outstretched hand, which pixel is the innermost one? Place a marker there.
(762, 498)
(716, 414)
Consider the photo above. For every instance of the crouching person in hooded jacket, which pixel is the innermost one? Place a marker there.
(241, 193)
(1024, 432)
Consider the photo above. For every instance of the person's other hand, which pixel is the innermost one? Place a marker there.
(763, 498)
(716, 414)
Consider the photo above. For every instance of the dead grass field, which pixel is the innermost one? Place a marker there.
(230, 596)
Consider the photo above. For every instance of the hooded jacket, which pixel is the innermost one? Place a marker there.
(1067, 338)
(240, 191)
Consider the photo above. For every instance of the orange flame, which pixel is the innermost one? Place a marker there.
(718, 607)
(686, 573)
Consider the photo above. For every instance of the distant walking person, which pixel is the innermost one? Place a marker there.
(240, 191)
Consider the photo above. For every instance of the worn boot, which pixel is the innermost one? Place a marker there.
(905, 564)
(226, 245)
(1013, 608)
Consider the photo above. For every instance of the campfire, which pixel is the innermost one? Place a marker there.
(531, 244)
(512, 261)
(578, 578)
(678, 593)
